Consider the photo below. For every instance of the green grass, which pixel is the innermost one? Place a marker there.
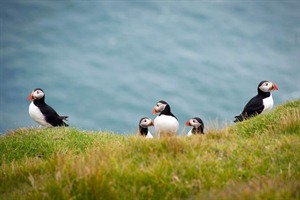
(255, 159)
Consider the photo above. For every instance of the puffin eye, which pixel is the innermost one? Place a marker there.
(266, 84)
(194, 121)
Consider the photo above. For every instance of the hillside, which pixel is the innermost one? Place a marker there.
(255, 159)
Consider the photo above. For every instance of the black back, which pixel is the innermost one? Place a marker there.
(167, 110)
(254, 107)
(50, 114)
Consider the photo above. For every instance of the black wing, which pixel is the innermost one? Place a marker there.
(52, 117)
(253, 107)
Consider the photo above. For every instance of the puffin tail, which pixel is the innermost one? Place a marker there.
(64, 118)
(238, 118)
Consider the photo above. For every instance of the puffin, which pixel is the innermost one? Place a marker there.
(165, 124)
(261, 103)
(144, 123)
(42, 113)
(197, 124)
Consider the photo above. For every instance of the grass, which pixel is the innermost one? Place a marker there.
(255, 159)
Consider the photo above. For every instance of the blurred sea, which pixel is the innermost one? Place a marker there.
(106, 63)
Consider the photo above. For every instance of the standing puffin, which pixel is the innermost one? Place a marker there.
(197, 124)
(261, 103)
(165, 124)
(43, 114)
(144, 123)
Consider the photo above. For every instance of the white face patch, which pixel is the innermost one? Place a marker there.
(38, 94)
(266, 86)
(146, 122)
(159, 107)
(194, 123)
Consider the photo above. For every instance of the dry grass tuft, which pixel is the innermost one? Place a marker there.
(255, 159)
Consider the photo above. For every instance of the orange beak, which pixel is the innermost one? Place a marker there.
(152, 123)
(154, 112)
(30, 97)
(187, 123)
(274, 87)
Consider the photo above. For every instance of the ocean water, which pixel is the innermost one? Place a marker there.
(106, 63)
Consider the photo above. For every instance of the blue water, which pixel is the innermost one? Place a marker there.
(106, 63)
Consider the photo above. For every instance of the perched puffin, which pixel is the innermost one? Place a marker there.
(144, 123)
(43, 114)
(261, 103)
(197, 124)
(165, 124)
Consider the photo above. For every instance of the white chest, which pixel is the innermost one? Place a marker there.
(37, 115)
(149, 135)
(268, 104)
(165, 124)
(190, 133)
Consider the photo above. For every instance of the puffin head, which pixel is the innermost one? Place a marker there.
(195, 122)
(146, 122)
(37, 93)
(159, 107)
(267, 86)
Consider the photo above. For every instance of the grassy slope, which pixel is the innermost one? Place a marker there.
(255, 159)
